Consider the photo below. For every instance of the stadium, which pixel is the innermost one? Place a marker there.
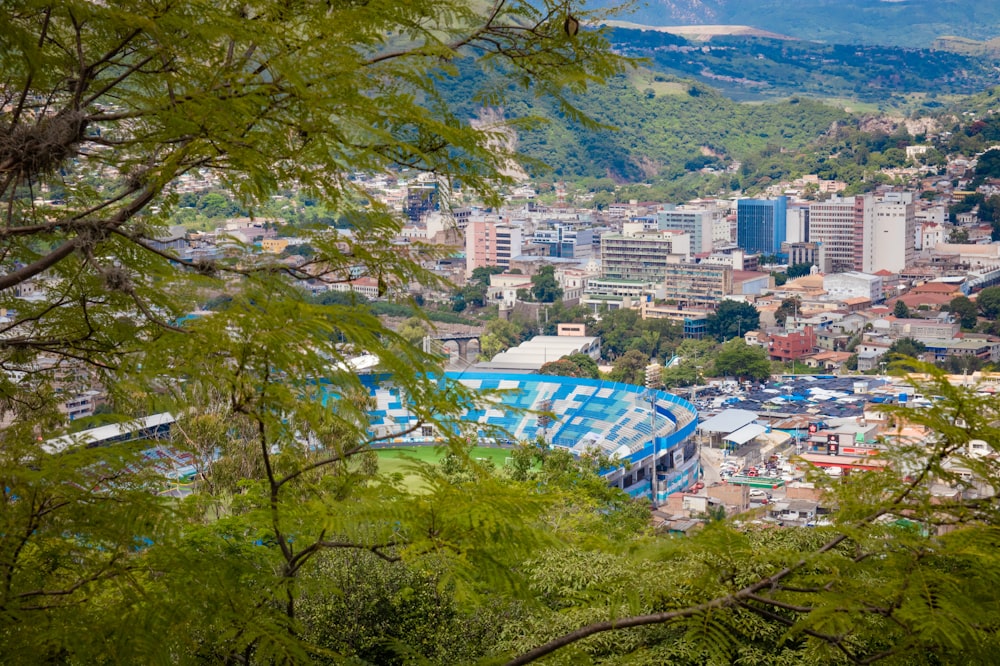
(637, 425)
(631, 422)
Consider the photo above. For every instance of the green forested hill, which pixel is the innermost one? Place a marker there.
(748, 67)
(897, 22)
(657, 135)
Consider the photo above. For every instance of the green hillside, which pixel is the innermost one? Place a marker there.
(684, 127)
(760, 68)
(915, 23)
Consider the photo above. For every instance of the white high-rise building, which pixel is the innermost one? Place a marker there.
(797, 224)
(893, 233)
(698, 224)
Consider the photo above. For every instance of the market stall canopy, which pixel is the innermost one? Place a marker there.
(728, 421)
(745, 434)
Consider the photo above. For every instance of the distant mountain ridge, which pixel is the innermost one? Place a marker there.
(893, 22)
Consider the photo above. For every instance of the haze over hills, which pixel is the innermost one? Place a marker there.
(895, 22)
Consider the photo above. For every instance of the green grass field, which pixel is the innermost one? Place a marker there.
(391, 461)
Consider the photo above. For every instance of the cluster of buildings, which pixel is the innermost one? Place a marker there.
(679, 261)
(764, 450)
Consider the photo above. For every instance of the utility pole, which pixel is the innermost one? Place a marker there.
(651, 394)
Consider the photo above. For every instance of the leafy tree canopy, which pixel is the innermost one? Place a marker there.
(965, 311)
(544, 286)
(733, 319)
(738, 359)
(988, 302)
(630, 368)
(105, 108)
(907, 347)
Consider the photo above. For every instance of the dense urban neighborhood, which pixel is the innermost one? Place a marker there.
(460, 333)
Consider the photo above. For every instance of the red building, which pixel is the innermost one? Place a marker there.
(792, 345)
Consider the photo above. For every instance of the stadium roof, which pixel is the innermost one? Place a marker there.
(728, 421)
(106, 433)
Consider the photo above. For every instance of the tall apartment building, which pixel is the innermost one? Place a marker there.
(641, 255)
(761, 224)
(893, 233)
(703, 284)
(489, 243)
(797, 224)
(839, 224)
(863, 233)
(698, 224)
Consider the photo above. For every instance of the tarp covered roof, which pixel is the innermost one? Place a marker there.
(745, 434)
(729, 420)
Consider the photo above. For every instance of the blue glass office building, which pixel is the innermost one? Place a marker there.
(760, 224)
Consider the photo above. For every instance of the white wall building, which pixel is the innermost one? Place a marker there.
(893, 234)
(699, 224)
(853, 284)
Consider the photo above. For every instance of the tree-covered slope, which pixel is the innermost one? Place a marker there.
(746, 67)
(901, 22)
(663, 135)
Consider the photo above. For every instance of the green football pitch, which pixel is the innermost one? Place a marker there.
(391, 461)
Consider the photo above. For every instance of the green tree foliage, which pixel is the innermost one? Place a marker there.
(965, 311)
(413, 330)
(623, 330)
(788, 308)
(988, 302)
(574, 365)
(105, 106)
(685, 373)
(901, 310)
(732, 319)
(559, 313)
(906, 347)
(738, 359)
(988, 164)
(560, 368)
(367, 608)
(958, 235)
(500, 335)
(544, 287)
(630, 368)
(587, 365)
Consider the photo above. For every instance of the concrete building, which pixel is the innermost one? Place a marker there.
(804, 252)
(641, 255)
(697, 284)
(751, 283)
(541, 349)
(924, 329)
(853, 284)
(761, 224)
(792, 345)
(698, 224)
(797, 224)
(489, 243)
(893, 233)
(565, 242)
(930, 235)
(839, 224)
(985, 350)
